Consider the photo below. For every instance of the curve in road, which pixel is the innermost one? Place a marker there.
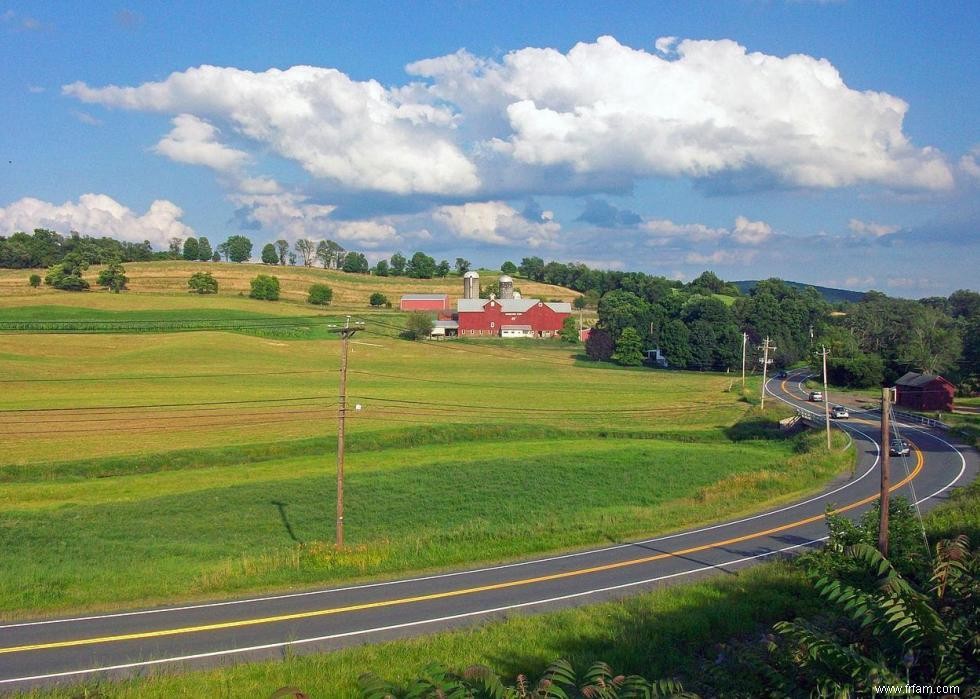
(36, 653)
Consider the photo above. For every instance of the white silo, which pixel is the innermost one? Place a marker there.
(506, 287)
(471, 285)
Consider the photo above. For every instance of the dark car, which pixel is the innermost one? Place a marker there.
(899, 447)
(781, 375)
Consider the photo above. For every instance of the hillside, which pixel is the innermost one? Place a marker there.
(829, 294)
(170, 279)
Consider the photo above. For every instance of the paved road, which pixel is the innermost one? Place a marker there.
(68, 650)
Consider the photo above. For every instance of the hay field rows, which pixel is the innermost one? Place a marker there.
(187, 465)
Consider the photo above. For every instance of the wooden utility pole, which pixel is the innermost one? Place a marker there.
(765, 368)
(886, 399)
(745, 339)
(826, 395)
(346, 332)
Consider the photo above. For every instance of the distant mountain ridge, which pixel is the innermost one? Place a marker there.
(829, 294)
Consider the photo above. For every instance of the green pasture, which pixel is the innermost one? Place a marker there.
(148, 466)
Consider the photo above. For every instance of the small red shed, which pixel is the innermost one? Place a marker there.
(424, 302)
(925, 392)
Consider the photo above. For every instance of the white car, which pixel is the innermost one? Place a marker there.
(816, 396)
(899, 447)
(839, 412)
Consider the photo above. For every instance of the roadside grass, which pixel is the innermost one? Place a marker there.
(216, 530)
(665, 633)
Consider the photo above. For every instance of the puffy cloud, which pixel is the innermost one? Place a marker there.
(751, 232)
(357, 133)
(715, 109)
(498, 223)
(745, 232)
(870, 228)
(970, 163)
(665, 44)
(194, 141)
(263, 205)
(97, 215)
(664, 230)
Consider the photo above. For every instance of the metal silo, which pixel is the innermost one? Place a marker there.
(506, 287)
(471, 285)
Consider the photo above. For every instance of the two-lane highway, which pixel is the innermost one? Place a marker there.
(70, 649)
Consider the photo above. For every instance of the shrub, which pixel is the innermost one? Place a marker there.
(378, 299)
(599, 345)
(203, 283)
(319, 295)
(113, 277)
(35, 280)
(419, 326)
(265, 288)
(67, 276)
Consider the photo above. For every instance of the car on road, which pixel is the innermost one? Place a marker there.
(839, 412)
(816, 396)
(781, 375)
(899, 447)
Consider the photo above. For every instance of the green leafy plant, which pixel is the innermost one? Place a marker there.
(319, 295)
(558, 682)
(203, 283)
(265, 288)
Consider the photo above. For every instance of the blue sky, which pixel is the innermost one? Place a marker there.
(833, 143)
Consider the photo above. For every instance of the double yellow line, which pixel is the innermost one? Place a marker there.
(451, 593)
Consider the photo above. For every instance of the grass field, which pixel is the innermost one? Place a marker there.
(141, 466)
(166, 280)
(153, 466)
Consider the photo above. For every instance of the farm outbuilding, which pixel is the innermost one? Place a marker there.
(925, 392)
(489, 316)
(424, 302)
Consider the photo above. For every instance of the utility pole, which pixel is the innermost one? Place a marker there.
(765, 368)
(346, 332)
(826, 396)
(886, 399)
(745, 339)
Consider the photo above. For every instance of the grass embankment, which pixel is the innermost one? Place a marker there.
(667, 633)
(204, 530)
(170, 279)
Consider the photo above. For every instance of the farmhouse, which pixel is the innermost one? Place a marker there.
(925, 392)
(424, 302)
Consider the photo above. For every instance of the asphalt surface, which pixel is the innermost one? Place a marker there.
(69, 650)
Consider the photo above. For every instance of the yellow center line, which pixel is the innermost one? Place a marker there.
(453, 593)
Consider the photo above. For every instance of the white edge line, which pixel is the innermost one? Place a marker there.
(380, 629)
(452, 617)
(472, 571)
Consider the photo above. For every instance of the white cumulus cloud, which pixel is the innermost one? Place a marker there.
(751, 232)
(195, 141)
(870, 228)
(355, 132)
(714, 109)
(97, 215)
(498, 223)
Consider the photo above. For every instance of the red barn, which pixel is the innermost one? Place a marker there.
(925, 392)
(488, 316)
(424, 302)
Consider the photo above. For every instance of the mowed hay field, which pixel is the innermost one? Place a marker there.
(143, 467)
(158, 283)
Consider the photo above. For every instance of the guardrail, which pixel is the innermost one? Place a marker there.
(922, 420)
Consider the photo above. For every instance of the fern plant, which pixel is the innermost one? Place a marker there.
(893, 633)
